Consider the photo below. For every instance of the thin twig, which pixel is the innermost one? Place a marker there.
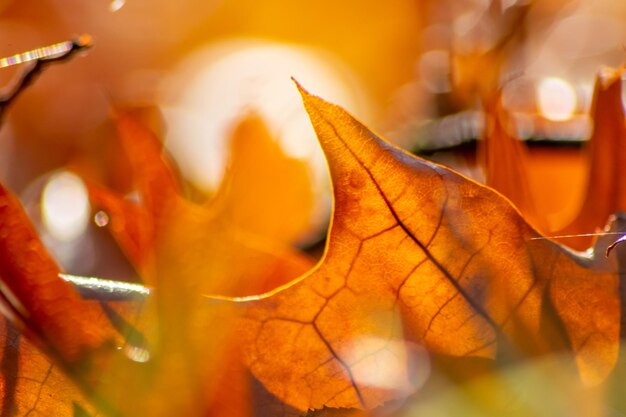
(94, 288)
(37, 66)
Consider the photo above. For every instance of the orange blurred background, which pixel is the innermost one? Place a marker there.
(140, 46)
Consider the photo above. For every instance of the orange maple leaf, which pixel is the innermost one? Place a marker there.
(505, 161)
(418, 254)
(36, 299)
(606, 155)
(31, 383)
(66, 335)
(237, 243)
(507, 165)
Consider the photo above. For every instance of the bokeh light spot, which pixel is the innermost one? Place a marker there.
(101, 219)
(393, 365)
(65, 206)
(116, 5)
(137, 354)
(556, 99)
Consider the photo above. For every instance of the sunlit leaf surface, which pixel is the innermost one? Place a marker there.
(420, 256)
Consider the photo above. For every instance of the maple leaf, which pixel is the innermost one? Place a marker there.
(72, 337)
(226, 242)
(36, 298)
(278, 205)
(238, 242)
(418, 254)
(506, 164)
(604, 194)
(31, 384)
(505, 161)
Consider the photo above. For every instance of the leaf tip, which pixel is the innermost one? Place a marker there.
(308, 97)
(297, 83)
(612, 246)
(312, 103)
(303, 91)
